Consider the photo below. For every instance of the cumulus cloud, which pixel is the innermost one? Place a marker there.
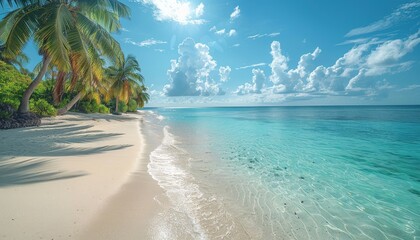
(235, 14)
(224, 73)
(405, 11)
(189, 75)
(145, 43)
(258, 79)
(175, 10)
(278, 65)
(355, 73)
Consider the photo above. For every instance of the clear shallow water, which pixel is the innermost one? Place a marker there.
(292, 172)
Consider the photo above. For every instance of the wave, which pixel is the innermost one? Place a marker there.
(205, 212)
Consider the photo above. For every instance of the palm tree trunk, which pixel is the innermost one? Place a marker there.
(58, 89)
(116, 105)
(24, 104)
(69, 105)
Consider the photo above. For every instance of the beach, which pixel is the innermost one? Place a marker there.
(214, 173)
(73, 178)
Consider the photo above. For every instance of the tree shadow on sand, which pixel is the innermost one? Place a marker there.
(30, 171)
(20, 149)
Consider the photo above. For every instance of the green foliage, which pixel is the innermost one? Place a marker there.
(103, 109)
(12, 85)
(44, 90)
(91, 106)
(132, 105)
(88, 107)
(122, 107)
(42, 108)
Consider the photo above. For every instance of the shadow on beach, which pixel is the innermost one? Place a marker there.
(30, 171)
(23, 151)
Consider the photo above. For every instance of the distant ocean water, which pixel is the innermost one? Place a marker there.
(291, 172)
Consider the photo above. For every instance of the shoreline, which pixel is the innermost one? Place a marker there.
(130, 212)
(56, 179)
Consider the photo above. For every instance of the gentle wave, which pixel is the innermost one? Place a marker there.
(293, 174)
(206, 213)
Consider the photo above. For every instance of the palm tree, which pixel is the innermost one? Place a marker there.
(91, 84)
(64, 30)
(125, 78)
(141, 96)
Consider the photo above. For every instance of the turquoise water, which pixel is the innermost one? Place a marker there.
(292, 172)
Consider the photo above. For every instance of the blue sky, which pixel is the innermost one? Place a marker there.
(269, 52)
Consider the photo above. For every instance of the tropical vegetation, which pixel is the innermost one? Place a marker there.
(82, 67)
(127, 82)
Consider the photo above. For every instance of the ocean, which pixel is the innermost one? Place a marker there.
(347, 172)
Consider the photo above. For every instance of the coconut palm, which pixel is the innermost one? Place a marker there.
(92, 85)
(141, 95)
(125, 78)
(64, 30)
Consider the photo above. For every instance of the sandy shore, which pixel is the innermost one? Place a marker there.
(76, 177)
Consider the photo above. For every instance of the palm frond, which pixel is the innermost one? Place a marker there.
(52, 36)
(16, 29)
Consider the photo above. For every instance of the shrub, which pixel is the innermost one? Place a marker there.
(122, 107)
(103, 109)
(44, 90)
(132, 105)
(12, 85)
(88, 107)
(43, 108)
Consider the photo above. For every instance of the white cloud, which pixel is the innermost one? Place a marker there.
(411, 87)
(145, 43)
(224, 73)
(256, 86)
(353, 81)
(278, 65)
(251, 66)
(355, 73)
(256, 36)
(190, 74)
(232, 32)
(235, 14)
(236, 45)
(199, 10)
(175, 10)
(223, 32)
(405, 11)
(220, 32)
(124, 29)
(355, 41)
(392, 51)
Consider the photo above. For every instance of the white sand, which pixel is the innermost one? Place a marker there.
(75, 176)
